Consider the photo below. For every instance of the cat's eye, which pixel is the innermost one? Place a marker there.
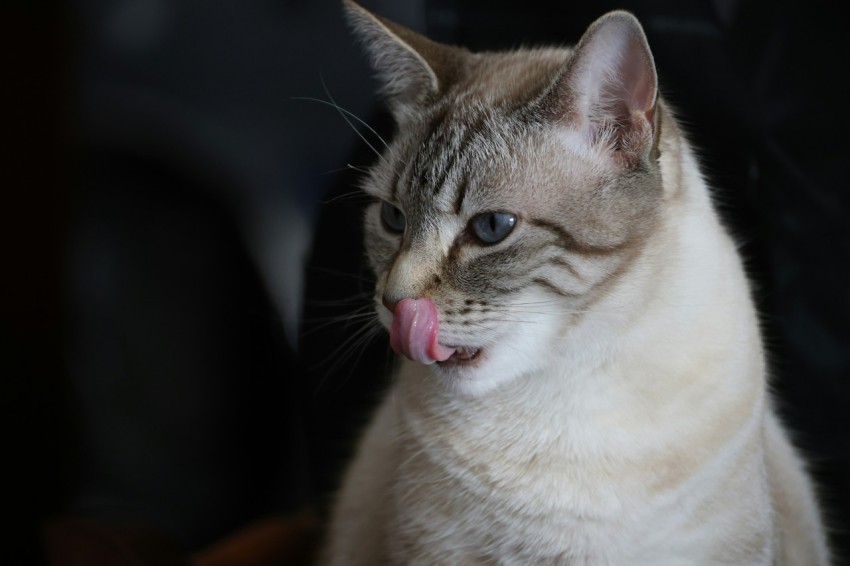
(491, 227)
(392, 218)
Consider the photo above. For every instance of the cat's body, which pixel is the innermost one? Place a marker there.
(615, 409)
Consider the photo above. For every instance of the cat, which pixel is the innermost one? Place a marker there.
(582, 377)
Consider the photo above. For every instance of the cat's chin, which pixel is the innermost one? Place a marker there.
(470, 378)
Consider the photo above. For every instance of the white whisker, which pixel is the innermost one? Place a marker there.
(333, 104)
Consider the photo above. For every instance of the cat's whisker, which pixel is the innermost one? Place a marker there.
(340, 273)
(344, 321)
(595, 309)
(359, 169)
(345, 113)
(511, 311)
(348, 167)
(356, 313)
(332, 171)
(360, 345)
(352, 115)
(353, 196)
(356, 342)
(359, 297)
(514, 320)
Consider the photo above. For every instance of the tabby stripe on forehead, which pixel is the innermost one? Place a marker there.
(461, 193)
(446, 169)
(455, 152)
(394, 191)
(434, 142)
(398, 174)
(569, 243)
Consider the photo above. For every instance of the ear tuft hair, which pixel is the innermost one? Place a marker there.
(411, 67)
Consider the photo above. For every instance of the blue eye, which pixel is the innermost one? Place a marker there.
(392, 218)
(490, 227)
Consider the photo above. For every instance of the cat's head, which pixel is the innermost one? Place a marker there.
(519, 188)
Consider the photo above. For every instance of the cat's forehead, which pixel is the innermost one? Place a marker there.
(444, 161)
(484, 160)
(481, 145)
(494, 94)
(509, 78)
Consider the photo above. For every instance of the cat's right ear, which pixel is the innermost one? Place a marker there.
(411, 68)
(609, 90)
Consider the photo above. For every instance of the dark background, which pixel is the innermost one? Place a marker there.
(181, 237)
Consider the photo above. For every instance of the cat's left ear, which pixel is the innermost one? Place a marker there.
(609, 89)
(411, 67)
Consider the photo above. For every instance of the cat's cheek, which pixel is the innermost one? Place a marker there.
(519, 352)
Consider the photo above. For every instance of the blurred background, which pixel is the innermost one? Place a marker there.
(182, 243)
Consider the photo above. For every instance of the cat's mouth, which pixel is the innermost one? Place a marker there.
(415, 334)
(462, 355)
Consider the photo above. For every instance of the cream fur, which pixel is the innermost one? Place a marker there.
(641, 433)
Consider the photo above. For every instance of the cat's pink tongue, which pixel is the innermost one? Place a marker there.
(415, 332)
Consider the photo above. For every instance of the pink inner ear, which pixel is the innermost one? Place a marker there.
(638, 80)
(611, 88)
(627, 90)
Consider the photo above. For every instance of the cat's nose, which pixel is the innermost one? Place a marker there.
(389, 304)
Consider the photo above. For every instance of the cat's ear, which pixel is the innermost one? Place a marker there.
(411, 67)
(609, 90)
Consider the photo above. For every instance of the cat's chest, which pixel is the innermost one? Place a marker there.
(453, 505)
(478, 491)
(555, 478)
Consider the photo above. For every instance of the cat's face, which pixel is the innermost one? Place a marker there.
(510, 218)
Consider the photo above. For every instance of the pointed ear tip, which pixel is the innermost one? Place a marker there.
(621, 18)
(353, 9)
(359, 19)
